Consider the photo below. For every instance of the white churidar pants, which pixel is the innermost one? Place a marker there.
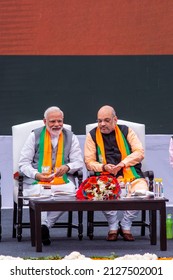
(49, 218)
(113, 221)
(128, 216)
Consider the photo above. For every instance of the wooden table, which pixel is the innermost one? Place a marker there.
(72, 204)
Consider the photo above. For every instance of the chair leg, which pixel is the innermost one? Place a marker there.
(80, 225)
(90, 227)
(19, 217)
(14, 219)
(143, 218)
(69, 229)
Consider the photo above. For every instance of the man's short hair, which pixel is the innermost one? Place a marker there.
(52, 109)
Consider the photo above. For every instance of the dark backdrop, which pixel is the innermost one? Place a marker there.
(140, 88)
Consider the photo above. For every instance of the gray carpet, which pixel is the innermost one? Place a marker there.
(61, 245)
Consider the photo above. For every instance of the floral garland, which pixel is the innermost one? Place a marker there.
(99, 188)
(75, 255)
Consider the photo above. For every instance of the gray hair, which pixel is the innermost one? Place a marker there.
(53, 109)
(113, 112)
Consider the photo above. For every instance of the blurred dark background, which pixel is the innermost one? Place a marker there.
(140, 88)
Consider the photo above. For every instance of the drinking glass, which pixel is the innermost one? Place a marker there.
(46, 170)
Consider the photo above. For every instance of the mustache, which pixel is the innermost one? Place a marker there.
(56, 127)
(55, 131)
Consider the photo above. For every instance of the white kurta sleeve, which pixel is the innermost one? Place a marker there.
(26, 157)
(75, 156)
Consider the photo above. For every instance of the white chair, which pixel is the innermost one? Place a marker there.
(19, 135)
(139, 129)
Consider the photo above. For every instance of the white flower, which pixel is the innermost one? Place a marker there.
(9, 258)
(146, 256)
(75, 256)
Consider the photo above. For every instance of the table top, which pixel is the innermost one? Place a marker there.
(71, 203)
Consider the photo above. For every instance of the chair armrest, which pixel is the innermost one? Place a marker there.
(19, 177)
(79, 175)
(150, 175)
(90, 173)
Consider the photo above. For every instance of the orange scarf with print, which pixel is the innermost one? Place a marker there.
(128, 173)
(45, 156)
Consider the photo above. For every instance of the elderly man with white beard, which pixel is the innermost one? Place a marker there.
(56, 148)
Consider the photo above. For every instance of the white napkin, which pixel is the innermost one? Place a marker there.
(139, 193)
(142, 193)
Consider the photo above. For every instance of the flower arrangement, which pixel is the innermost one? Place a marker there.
(99, 188)
(75, 255)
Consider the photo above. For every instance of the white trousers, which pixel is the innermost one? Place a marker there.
(126, 222)
(49, 218)
(128, 216)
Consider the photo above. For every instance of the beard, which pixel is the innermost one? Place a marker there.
(54, 132)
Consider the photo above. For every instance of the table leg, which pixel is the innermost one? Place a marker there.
(90, 227)
(80, 225)
(153, 227)
(32, 226)
(38, 241)
(163, 240)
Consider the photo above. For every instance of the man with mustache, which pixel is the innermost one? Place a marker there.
(56, 148)
(116, 150)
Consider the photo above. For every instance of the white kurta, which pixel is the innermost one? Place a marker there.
(25, 166)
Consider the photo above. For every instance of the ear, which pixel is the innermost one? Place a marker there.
(44, 120)
(115, 119)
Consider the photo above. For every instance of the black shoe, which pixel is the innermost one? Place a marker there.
(45, 235)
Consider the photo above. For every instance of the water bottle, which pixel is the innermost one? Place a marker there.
(169, 229)
(161, 187)
(122, 186)
(128, 187)
(158, 188)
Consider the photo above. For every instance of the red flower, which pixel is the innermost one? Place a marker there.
(93, 180)
(99, 187)
(104, 178)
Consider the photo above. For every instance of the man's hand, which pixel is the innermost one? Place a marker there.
(60, 171)
(44, 178)
(113, 169)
